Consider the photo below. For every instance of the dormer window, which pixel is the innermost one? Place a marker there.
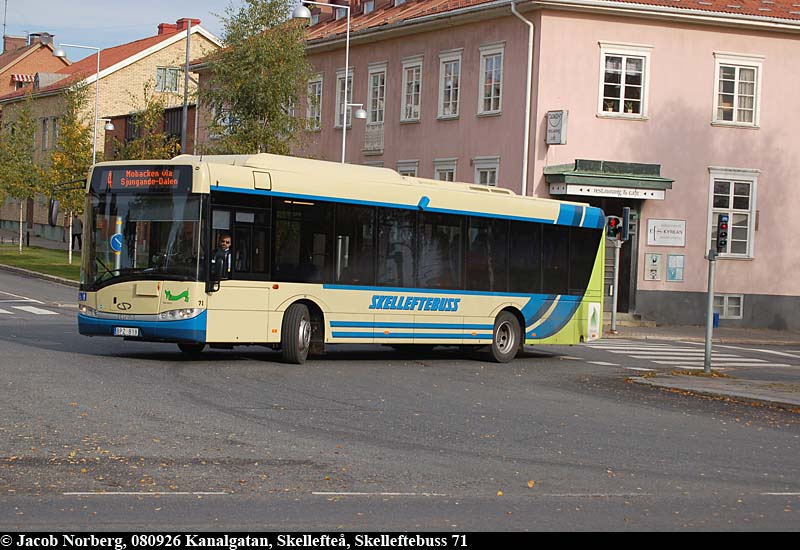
(399, 2)
(314, 18)
(369, 6)
(341, 12)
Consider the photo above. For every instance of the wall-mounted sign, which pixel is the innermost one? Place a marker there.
(666, 232)
(652, 267)
(557, 127)
(675, 265)
(598, 191)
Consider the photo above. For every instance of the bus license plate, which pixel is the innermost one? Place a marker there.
(126, 331)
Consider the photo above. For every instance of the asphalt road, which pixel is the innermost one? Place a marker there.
(104, 434)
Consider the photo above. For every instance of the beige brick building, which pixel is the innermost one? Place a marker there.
(125, 71)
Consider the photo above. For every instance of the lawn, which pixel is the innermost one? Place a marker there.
(43, 260)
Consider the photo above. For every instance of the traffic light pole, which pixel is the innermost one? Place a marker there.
(712, 261)
(617, 244)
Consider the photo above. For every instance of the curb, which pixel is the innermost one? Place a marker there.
(45, 276)
(740, 396)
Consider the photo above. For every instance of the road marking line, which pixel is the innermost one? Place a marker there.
(780, 494)
(23, 298)
(6, 312)
(143, 494)
(35, 310)
(598, 495)
(603, 363)
(355, 494)
(783, 353)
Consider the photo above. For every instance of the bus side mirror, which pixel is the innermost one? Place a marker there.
(215, 274)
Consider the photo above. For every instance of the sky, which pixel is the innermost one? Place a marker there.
(105, 23)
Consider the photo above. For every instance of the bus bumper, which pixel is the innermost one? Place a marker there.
(185, 330)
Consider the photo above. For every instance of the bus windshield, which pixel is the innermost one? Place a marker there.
(141, 235)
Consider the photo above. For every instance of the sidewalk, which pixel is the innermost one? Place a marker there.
(785, 395)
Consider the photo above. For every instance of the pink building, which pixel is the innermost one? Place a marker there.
(681, 110)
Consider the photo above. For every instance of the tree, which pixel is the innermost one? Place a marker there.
(255, 81)
(72, 157)
(150, 142)
(20, 175)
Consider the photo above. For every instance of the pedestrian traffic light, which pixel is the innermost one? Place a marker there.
(626, 220)
(722, 233)
(613, 227)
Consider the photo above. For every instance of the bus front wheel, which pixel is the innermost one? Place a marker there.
(506, 338)
(296, 334)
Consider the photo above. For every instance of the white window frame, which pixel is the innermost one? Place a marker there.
(444, 165)
(487, 51)
(482, 164)
(446, 58)
(408, 167)
(411, 64)
(314, 112)
(625, 51)
(165, 73)
(376, 106)
(339, 102)
(733, 175)
(724, 308)
(739, 61)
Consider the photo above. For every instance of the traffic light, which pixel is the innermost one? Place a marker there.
(613, 227)
(626, 221)
(722, 233)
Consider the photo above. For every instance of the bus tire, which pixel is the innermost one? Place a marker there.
(296, 334)
(505, 338)
(191, 348)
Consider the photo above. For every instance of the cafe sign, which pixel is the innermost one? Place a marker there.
(666, 232)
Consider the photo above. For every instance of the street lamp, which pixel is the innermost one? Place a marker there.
(302, 12)
(59, 52)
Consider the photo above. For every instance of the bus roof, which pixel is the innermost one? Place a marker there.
(317, 179)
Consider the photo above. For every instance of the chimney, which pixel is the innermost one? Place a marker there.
(167, 28)
(183, 23)
(12, 43)
(43, 37)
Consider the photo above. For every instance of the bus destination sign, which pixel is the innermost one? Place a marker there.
(143, 179)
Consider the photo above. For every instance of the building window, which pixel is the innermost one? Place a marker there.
(377, 94)
(340, 107)
(733, 193)
(314, 107)
(173, 122)
(399, 2)
(486, 170)
(314, 18)
(45, 134)
(54, 130)
(412, 89)
(491, 83)
(167, 79)
(449, 83)
(369, 6)
(737, 86)
(729, 306)
(445, 169)
(624, 80)
(408, 167)
(341, 13)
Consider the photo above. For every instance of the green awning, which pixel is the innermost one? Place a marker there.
(604, 178)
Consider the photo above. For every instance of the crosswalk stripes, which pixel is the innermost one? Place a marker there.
(679, 355)
(27, 309)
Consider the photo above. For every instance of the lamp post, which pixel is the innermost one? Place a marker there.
(59, 52)
(302, 12)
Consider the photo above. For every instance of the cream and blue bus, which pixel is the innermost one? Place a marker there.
(325, 253)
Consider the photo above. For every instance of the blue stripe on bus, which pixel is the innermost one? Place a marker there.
(423, 290)
(378, 325)
(225, 189)
(569, 214)
(558, 319)
(427, 335)
(184, 330)
(594, 219)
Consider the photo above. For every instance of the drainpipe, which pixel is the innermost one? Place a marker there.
(528, 84)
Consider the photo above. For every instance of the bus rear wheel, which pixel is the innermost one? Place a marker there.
(296, 334)
(506, 338)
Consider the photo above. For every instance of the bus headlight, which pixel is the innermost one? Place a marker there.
(179, 314)
(87, 311)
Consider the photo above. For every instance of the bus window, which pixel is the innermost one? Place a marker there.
(355, 245)
(487, 255)
(396, 238)
(525, 257)
(555, 259)
(439, 251)
(583, 245)
(303, 241)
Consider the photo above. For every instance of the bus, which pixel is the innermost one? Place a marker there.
(326, 253)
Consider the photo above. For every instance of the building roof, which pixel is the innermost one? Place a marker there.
(111, 59)
(389, 14)
(9, 59)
